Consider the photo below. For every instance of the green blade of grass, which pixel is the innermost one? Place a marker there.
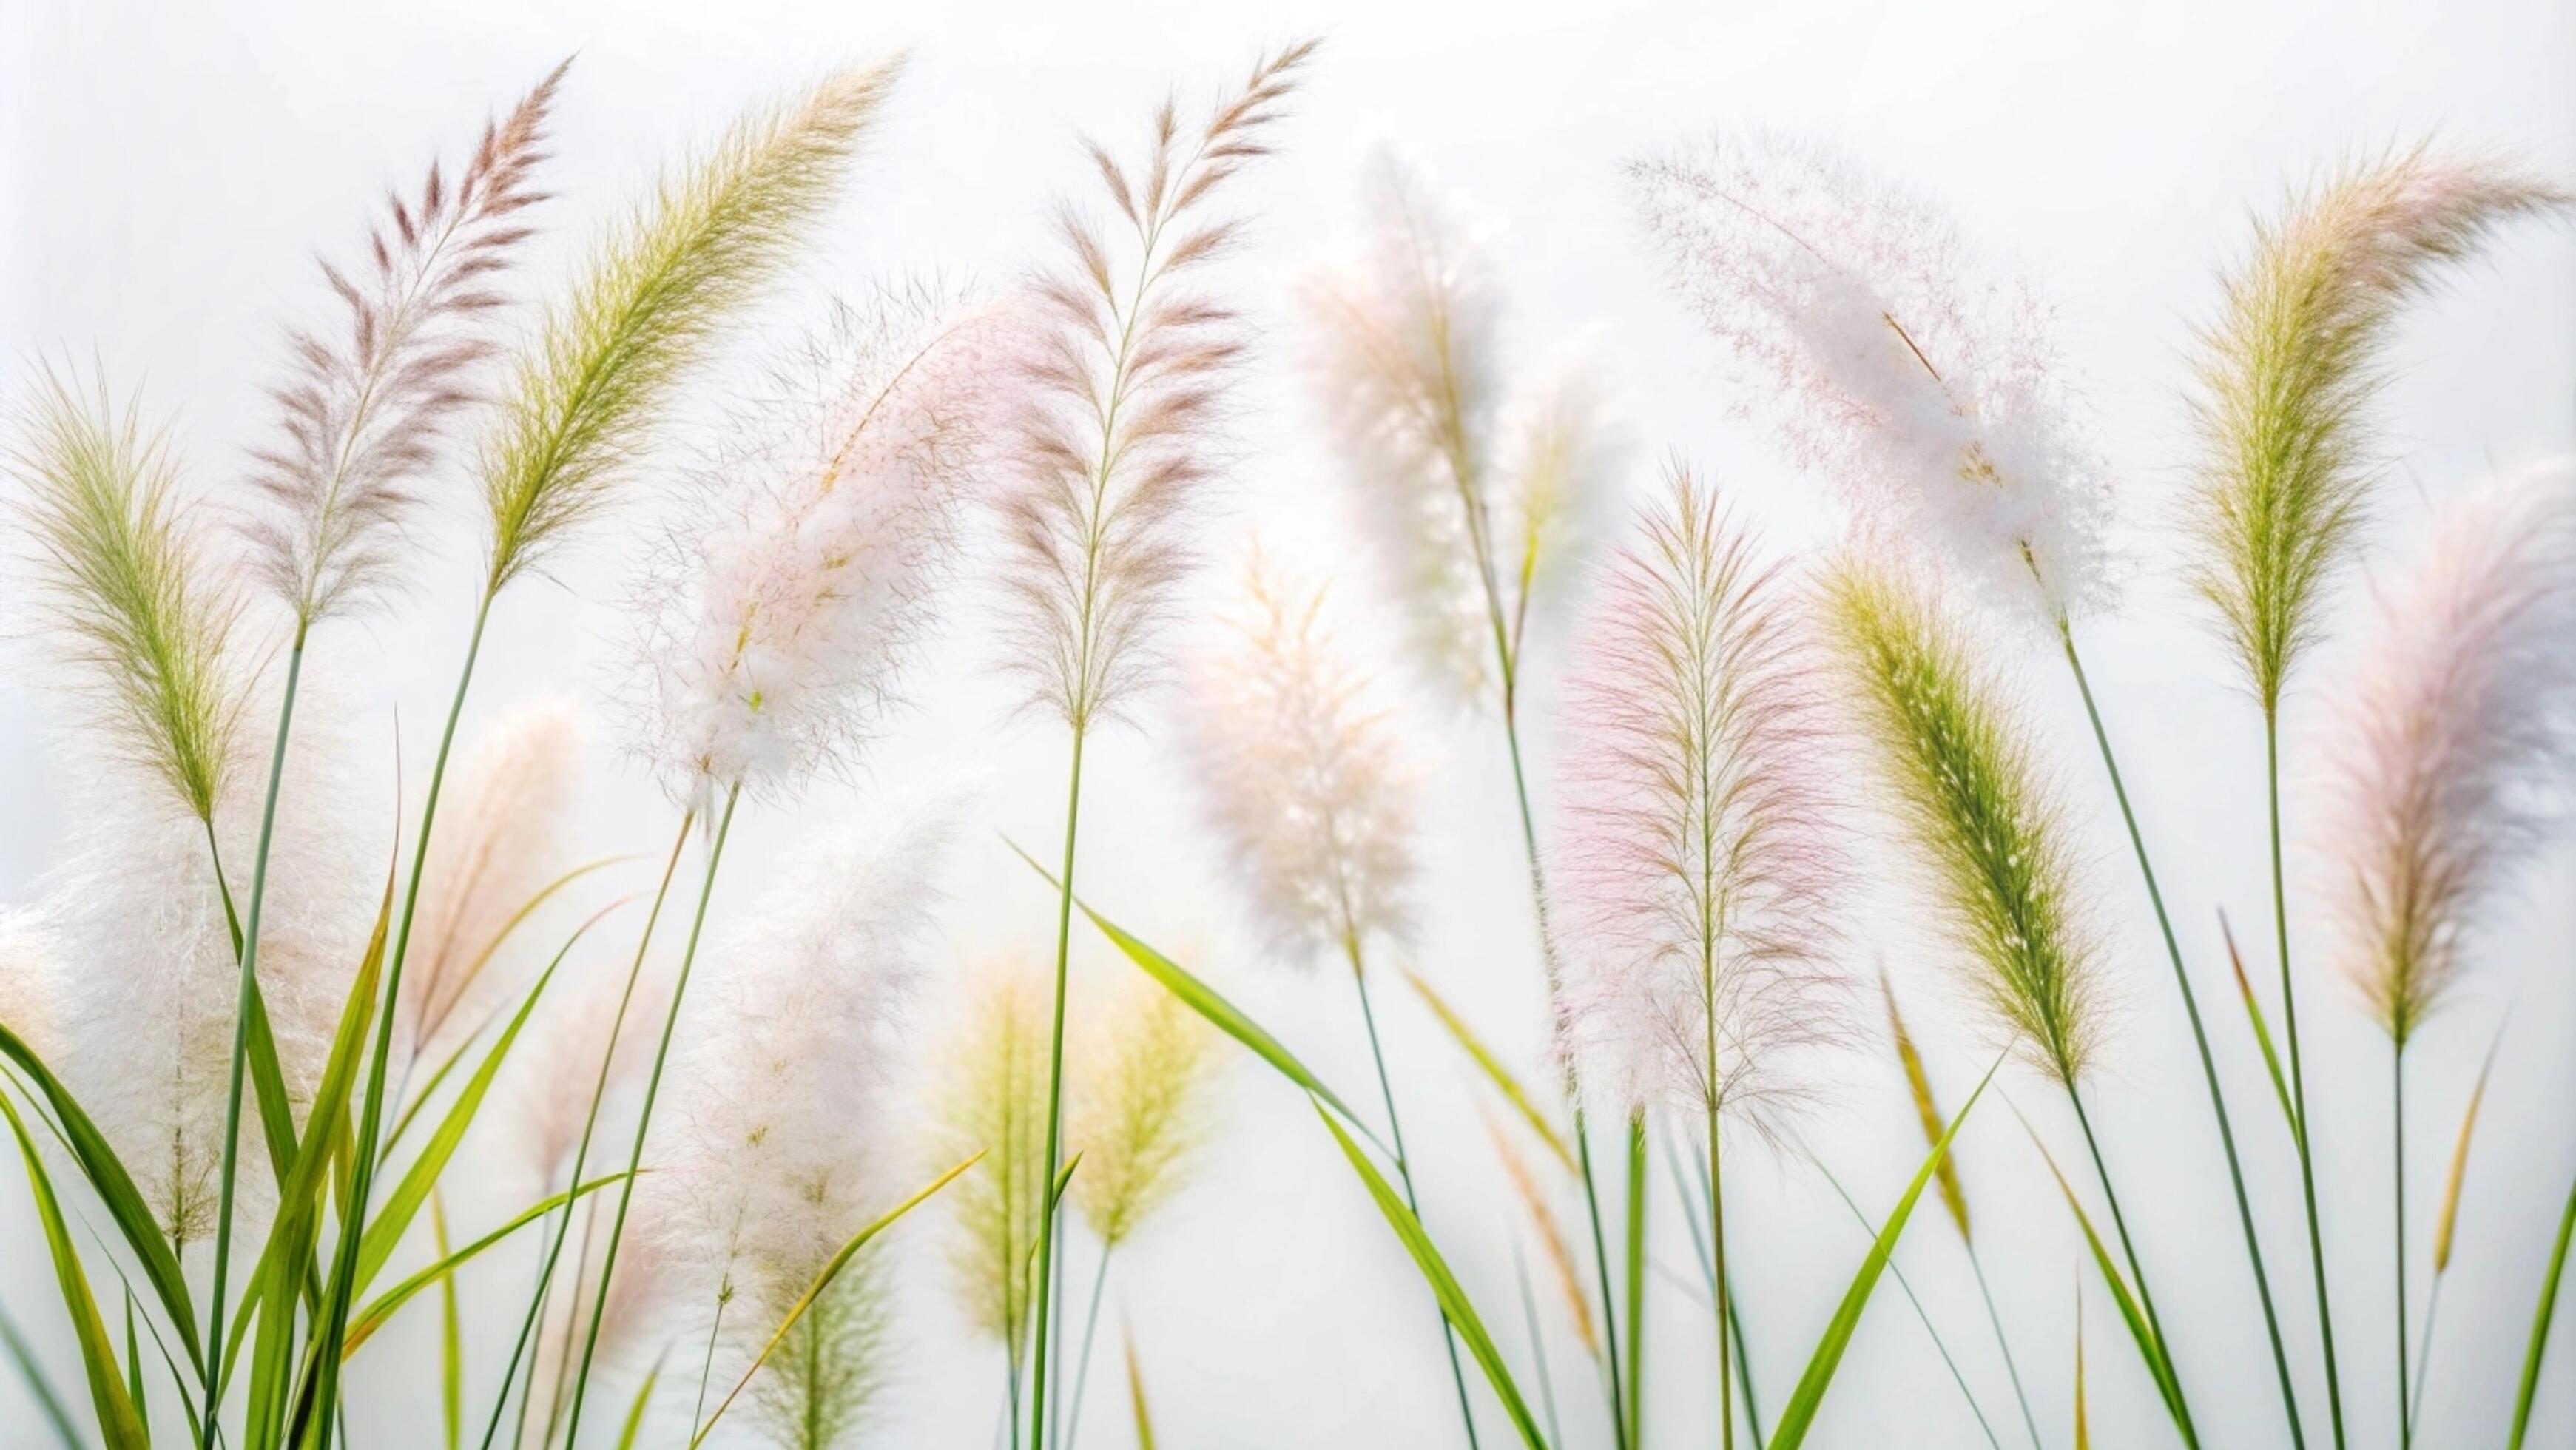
(823, 1281)
(372, 1318)
(118, 1422)
(2151, 1352)
(47, 1398)
(1930, 1329)
(2532, 1357)
(1453, 1299)
(1210, 1004)
(1136, 1396)
(1799, 1415)
(1500, 1076)
(384, 1232)
(2262, 1033)
(106, 1176)
(634, 1425)
(451, 1335)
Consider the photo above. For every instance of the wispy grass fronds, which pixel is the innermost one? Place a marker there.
(1301, 771)
(1467, 479)
(993, 1097)
(782, 1141)
(2290, 368)
(1700, 871)
(1929, 386)
(587, 398)
(775, 614)
(2452, 743)
(366, 410)
(551, 1077)
(30, 980)
(143, 973)
(1987, 823)
(504, 842)
(129, 586)
(1146, 1107)
(1127, 387)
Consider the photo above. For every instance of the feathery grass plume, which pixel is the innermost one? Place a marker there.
(1930, 388)
(774, 616)
(994, 1098)
(1301, 773)
(143, 970)
(1700, 872)
(504, 842)
(126, 579)
(366, 411)
(587, 398)
(28, 981)
(2289, 371)
(1987, 823)
(1147, 1109)
(1469, 484)
(780, 1143)
(551, 1076)
(1127, 385)
(2453, 741)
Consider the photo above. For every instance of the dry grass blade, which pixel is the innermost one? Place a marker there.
(1918, 1083)
(1551, 1234)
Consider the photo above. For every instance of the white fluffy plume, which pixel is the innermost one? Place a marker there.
(503, 843)
(776, 616)
(1301, 773)
(144, 976)
(1701, 864)
(1467, 478)
(1930, 389)
(2454, 744)
(784, 1143)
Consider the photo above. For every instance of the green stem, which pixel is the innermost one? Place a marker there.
(2397, 1196)
(1404, 1172)
(362, 1171)
(2200, 1037)
(644, 1118)
(2533, 1356)
(1055, 1097)
(2003, 1342)
(706, 1367)
(2298, 1083)
(1082, 1362)
(1538, 1343)
(1601, 1267)
(589, 1124)
(2137, 1273)
(2424, 1349)
(242, 1005)
(1717, 1254)
(1637, 1281)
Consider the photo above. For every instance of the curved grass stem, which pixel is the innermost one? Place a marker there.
(2298, 1083)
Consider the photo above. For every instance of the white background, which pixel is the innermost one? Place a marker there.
(171, 170)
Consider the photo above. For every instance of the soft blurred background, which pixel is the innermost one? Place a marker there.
(169, 172)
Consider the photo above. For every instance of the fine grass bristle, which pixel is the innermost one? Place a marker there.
(587, 398)
(125, 577)
(2290, 369)
(1967, 782)
(1551, 1234)
(1145, 1108)
(1919, 1084)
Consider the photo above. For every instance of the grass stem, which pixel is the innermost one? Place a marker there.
(2298, 1083)
(2397, 1199)
(2137, 1272)
(1637, 1283)
(1051, 1213)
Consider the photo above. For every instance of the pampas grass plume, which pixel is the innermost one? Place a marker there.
(2453, 743)
(992, 1098)
(1146, 1109)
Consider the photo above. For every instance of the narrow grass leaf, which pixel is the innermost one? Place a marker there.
(1210, 1004)
(1799, 1415)
(1136, 1396)
(1501, 1076)
(39, 1386)
(831, 1271)
(2083, 1430)
(1453, 1299)
(634, 1425)
(107, 1177)
(118, 1421)
(2148, 1349)
(2262, 1033)
(451, 1335)
(372, 1318)
(2532, 1356)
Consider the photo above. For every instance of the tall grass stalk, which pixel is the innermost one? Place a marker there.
(644, 1116)
(581, 1153)
(1637, 1283)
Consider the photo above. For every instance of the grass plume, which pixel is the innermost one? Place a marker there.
(588, 397)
